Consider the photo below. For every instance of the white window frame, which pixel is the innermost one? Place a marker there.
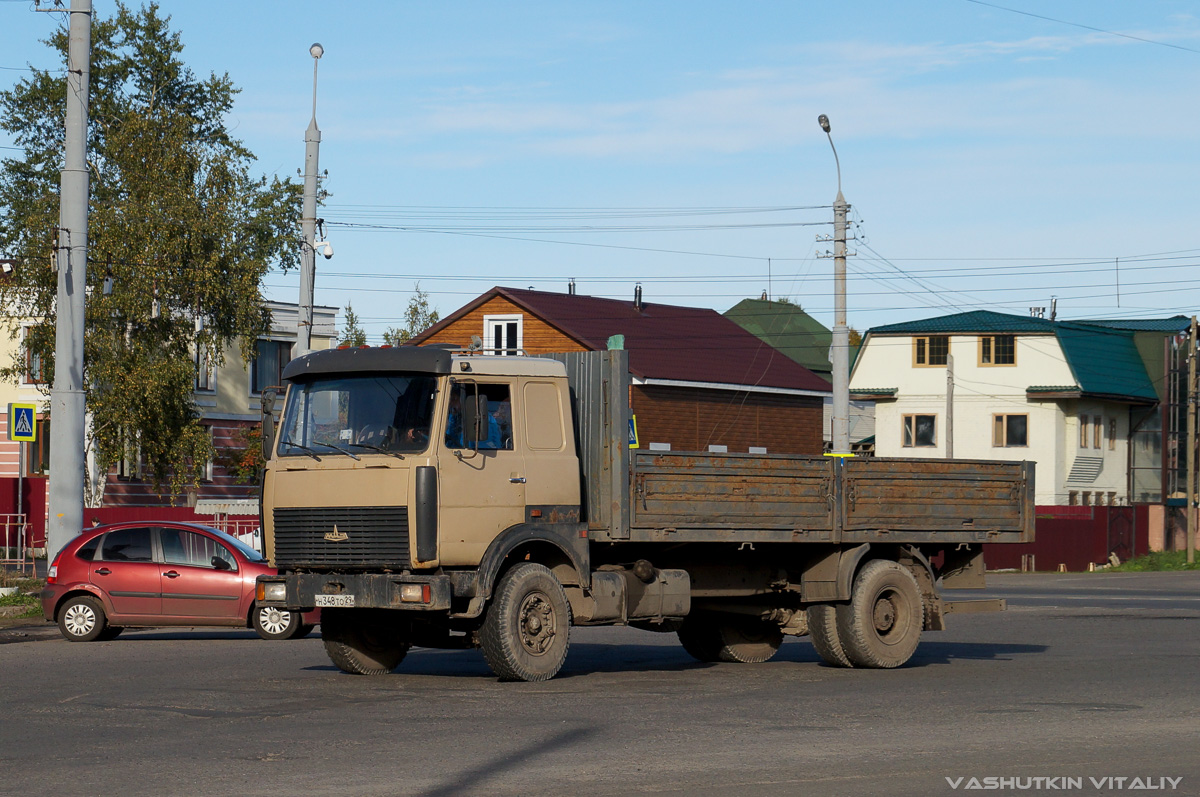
(491, 322)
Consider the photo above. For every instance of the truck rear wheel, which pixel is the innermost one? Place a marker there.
(881, 625)
(361, 642)
(822, 626)
(526, 630)
(745, 640)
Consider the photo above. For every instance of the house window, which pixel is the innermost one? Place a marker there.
(37, 454)
(269, 361)
(998, 350)
(920, 431)
(129, 467)
(503, 334)
(1073, 498)
(1010, 431)
(931, 350)
(1112, 434)
(1097, 431)
(204, 369)
(35, 373)
(1083, 431)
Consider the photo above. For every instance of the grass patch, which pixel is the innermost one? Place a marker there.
(1158, 561)
(26, 601)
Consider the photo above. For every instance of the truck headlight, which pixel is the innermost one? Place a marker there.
(272, 592)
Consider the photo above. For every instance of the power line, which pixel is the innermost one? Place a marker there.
(1084, 27)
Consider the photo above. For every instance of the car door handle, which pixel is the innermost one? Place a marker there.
(103, 571)
(171, 574)
(517, 479)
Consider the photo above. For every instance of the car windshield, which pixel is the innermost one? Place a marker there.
(356, 415)
(233, 542)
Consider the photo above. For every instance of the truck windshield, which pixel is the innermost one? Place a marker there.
(358, 415)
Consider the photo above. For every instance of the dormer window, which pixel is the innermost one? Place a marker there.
(998, 350)
(502, 334)
(931, 350)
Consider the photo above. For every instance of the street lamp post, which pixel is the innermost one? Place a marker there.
(308, 222)
(840, 419)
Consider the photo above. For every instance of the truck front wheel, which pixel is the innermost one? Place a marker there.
(881, 625)
(526, 630)
(746, 640)
(361, 641)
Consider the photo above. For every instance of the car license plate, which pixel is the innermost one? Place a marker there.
(335, 600)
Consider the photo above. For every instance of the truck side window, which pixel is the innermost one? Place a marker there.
(498, 435)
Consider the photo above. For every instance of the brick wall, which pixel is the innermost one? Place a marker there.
(691, 420)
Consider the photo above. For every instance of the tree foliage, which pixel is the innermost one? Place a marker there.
(352, 333)
(175, 218)
(418, 317)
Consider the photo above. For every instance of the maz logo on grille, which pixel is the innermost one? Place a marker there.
(335, 535)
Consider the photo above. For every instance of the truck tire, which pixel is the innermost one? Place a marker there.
(360, 642)
(743, 640)
(881, 625)
(822, 626)
(526, 629)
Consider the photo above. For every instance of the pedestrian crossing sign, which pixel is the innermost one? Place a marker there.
(21, 426)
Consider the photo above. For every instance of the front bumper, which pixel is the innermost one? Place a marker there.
(367, 590)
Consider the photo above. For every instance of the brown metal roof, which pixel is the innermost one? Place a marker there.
(668, 342)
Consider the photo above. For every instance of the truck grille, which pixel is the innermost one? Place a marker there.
(325, 537)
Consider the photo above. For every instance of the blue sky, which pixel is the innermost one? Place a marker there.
(992, 159)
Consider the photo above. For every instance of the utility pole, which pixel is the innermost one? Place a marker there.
(840, 419)
(66, 395)
(308, 222)
(1191, 445)
(949, 406)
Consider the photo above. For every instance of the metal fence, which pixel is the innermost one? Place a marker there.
(16, 551)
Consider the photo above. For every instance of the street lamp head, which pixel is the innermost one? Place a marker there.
(316, 51)
(823, 120)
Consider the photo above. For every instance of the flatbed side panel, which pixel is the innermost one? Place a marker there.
(700, 491)
(963, 498)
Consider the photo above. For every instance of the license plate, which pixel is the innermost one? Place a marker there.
(335, 600)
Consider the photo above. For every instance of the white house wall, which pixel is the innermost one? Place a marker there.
(981, 392)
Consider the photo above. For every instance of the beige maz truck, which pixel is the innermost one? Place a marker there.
(448, 499)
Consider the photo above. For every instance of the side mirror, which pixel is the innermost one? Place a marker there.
(474, 415)
(221, 564)
(267, 403)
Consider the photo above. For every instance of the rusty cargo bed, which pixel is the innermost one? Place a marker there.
(702, 497)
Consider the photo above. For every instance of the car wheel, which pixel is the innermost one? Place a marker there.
(274, 623)
(81, 619)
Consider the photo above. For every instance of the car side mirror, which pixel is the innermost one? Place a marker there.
(221, 564)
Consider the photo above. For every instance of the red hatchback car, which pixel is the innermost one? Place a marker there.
(160, 574)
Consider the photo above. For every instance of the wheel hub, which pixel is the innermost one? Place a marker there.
(536, 622)
(884, 615)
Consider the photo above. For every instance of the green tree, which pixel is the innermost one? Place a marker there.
(418, 317)
(352, 333)
(176, 218)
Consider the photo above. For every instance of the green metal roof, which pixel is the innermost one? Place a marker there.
(1102, 357)
(975, 321)
(1177, 323)
(787, 328)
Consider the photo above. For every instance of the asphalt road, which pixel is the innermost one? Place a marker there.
(1087, 676)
